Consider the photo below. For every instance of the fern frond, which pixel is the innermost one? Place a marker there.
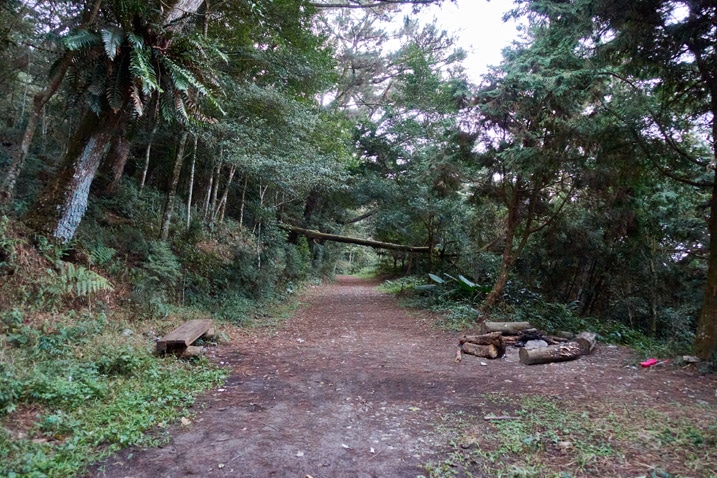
(112, 39)
(166, 106)
(102, 254)
(140, 65)
(180, 107)
(183, 78)
(81, 39)
(114, 95)
(76, 281)
(137, 103)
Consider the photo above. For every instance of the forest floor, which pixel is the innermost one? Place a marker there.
(356, 386)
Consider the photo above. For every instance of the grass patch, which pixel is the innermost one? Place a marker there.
(566, 438)
(76, 389)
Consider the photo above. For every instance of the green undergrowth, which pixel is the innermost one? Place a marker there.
(76, 388)
(458, 311)
(549, 437)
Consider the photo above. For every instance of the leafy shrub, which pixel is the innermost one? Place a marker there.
(162, 266)
(121, 361)
(11, 324)
(10, 389)
(67, 385)
(8, 243)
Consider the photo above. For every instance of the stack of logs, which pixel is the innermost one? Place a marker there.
(496, 336)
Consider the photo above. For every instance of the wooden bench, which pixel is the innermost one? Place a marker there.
(185, 335)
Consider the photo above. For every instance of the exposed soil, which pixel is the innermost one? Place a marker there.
(353, 385)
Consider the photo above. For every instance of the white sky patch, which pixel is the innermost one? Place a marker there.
(678, 14)
(478, 25)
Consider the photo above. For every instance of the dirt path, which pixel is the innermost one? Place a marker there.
(352, 387)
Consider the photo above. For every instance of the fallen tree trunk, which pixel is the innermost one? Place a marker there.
(551, 353)
(485, 351)
(311, 233)
(587, 342)
(506, 328)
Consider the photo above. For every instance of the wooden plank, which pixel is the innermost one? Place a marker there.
(184, 335)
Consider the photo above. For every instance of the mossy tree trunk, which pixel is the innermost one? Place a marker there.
(59, 208)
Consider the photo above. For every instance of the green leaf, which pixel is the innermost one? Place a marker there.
(466, 284)
(112, 39)
(436, 279)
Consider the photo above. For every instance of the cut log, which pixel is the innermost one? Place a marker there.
(565, 334)
(485, 351)
(510, 340)
(587, 341)
(554, 339)
(552, 353)
(492, 338)
(184, 335)
(507, 328)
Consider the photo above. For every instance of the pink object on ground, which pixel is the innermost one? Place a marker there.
(648, 363)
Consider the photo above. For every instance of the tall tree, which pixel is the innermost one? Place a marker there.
(664, 50)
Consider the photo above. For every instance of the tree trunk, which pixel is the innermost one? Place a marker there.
(147, 153)
(167, 216)
(7, 185)
(208, 196)
(191, 182)
(215, 189)
(219, 213)
(113, 166)
(512, 223)
(310, 233)
(705, 346)
(243, 201)
(62, 203)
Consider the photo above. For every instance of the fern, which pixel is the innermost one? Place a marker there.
(115, 98)
(162, 265)
(101, 255)
(183, 79)
(137, 102)
(75, 281)
(112, 39)
(140, 65)
(81, 39)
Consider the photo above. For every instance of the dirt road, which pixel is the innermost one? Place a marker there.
(352, 386)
